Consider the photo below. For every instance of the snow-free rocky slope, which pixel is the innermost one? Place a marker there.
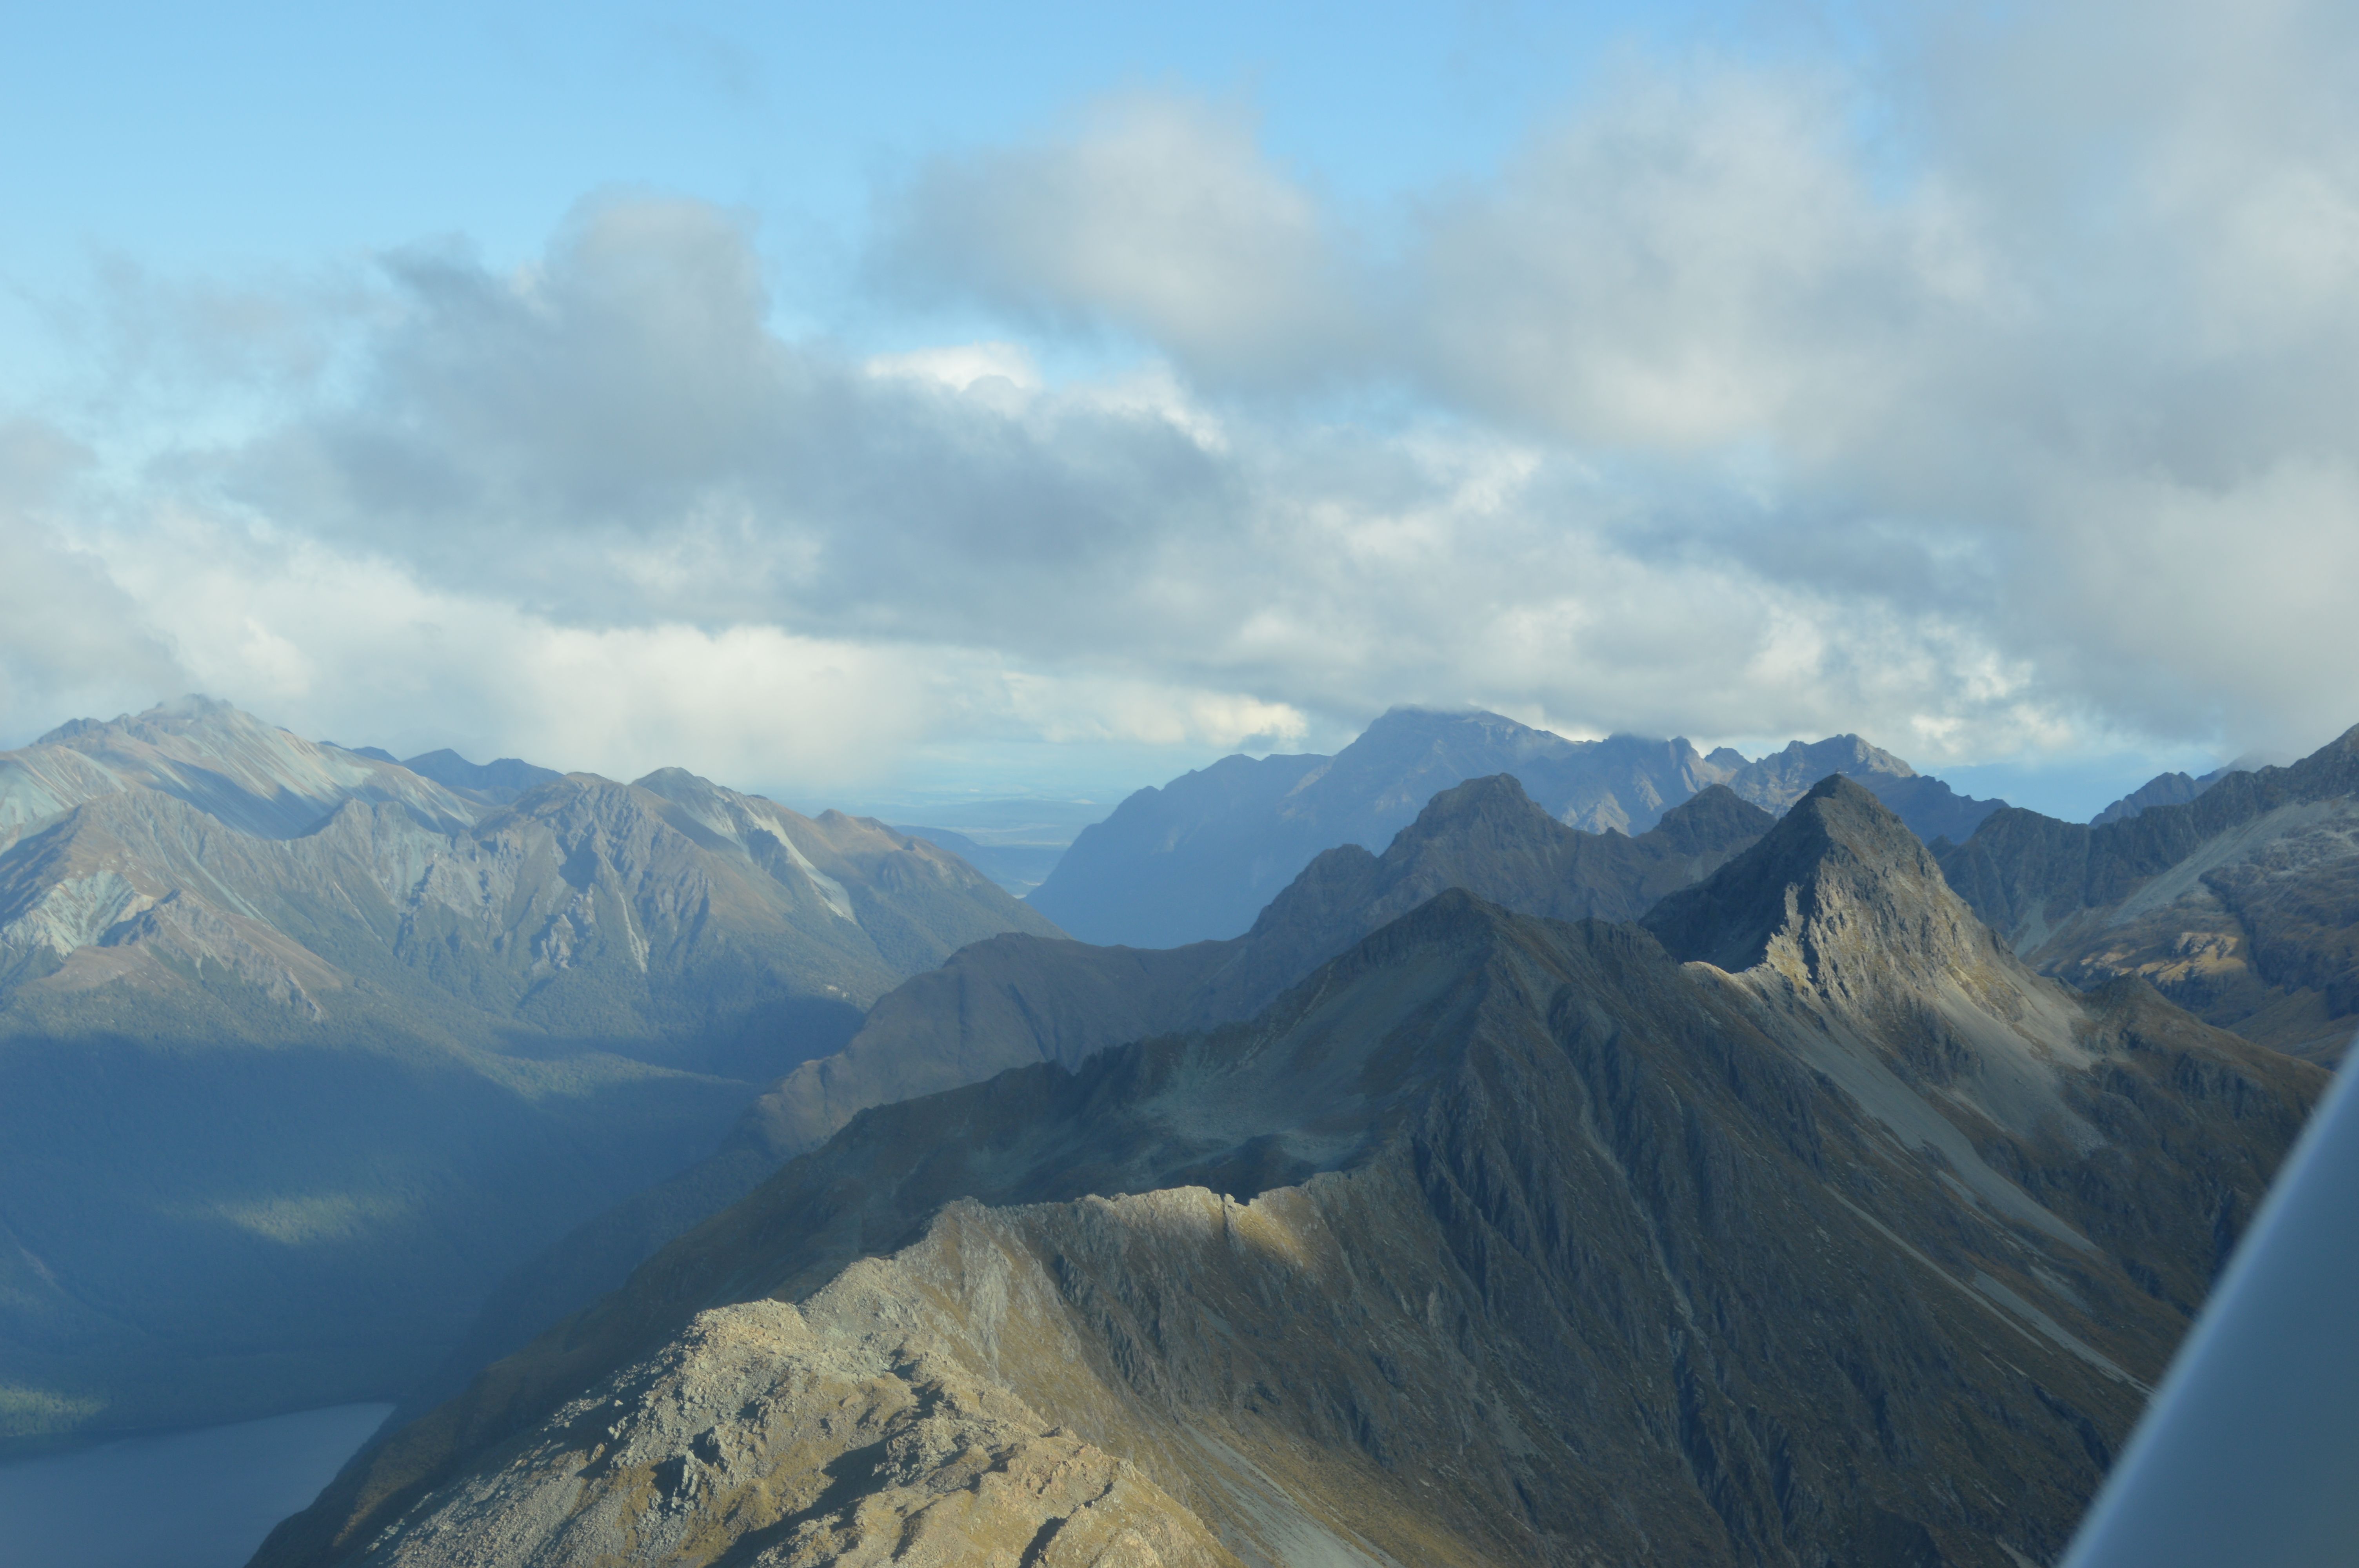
(1016, 999)
(2241, 905)
(1497, 1241)
(300, 1049)
(1196, 859)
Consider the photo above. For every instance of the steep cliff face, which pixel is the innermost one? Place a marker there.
(300, 1051)
(1497, 1241)
(1013, 1000)
(2241, 905)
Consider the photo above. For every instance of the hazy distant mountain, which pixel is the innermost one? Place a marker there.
(1016, 999)
(497, 782)
(1499, 1240)
(1931, 808)
(300, 1049)
(2163, 789)
(1199, 857)
(2241, 905)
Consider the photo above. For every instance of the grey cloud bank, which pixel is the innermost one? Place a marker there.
(1986, 436)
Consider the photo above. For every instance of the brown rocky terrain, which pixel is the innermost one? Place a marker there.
(1016, 999)
(1498, 1239)
(2241, 905)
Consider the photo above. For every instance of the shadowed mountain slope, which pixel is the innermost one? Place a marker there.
(2241, 905)
(1497, 1241)
(277, 1109)
(1198, 857)
(1013, 1000)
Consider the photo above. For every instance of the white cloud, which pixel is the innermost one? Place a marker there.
(1156, 213)
(70, 638)
(1711, 412)
(959, 366)
(2022, 418)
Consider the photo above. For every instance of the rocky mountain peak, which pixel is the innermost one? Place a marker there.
(251, 776)
(1402, 727)
(1781, 778)
(176, 717)
(677, 783)
(1839, 885)
(1497, 801)
(1714, 817)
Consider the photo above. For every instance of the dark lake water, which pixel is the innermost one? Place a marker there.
(187, 1500)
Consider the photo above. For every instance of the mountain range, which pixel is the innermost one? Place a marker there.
(327, 1075)
(301, 1048)
(2240, 904)
(1801, 1222)
(1198, 857)
(1016, 999)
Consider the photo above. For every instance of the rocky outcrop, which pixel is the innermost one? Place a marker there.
(840, 1431)
(2241, 905)
(1497, 1241)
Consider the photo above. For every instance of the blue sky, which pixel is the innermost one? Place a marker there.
(909, 400)
(236, 136)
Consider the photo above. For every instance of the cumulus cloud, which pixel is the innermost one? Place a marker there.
(1153, 213)
(2039, 393)
(71, 638)
(1710, 411)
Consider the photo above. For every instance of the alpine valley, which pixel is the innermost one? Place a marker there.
(301, 1048)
